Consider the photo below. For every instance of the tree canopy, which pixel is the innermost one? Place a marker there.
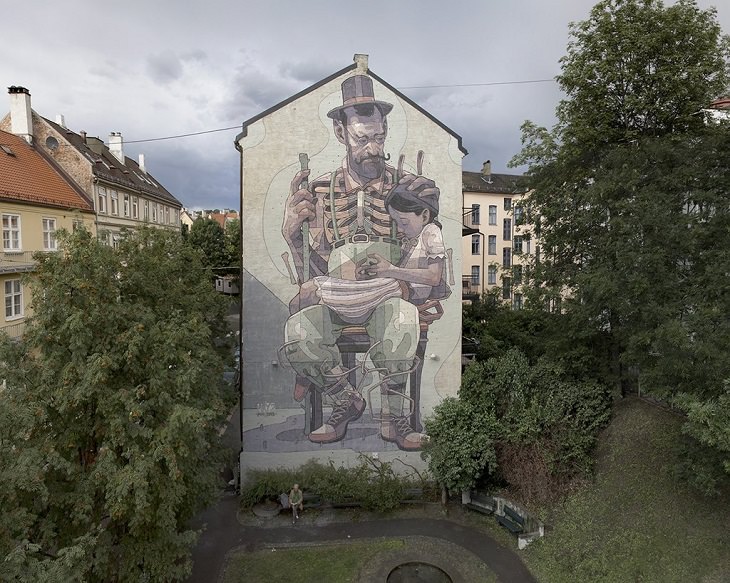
(109, 434)
(515, 422)
(630, 192)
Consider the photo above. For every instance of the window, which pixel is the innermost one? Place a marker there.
(475, 275)
(49, 235)
(126, 204)
(77, 224)
(527, 246)
(507, 257)
(492, 214)
(517, 244)
(101, 206)
(135, 207)
(114, 195)
(492, 275)
(167, 215)
(507, 204)
(507, 229)
(11, 233)
(13, 299)
(475, 214)
(475, 244)
(154, 212)
(518, 302)
(506, 288)
(146, 210)
(115, 240)
(517, 274)
(518, 214)
(492, 243)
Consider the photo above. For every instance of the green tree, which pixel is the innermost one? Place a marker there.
(209, 238)
(629, 191)
(610, 182)
(638, 68)
(114, 419)
(460, 448)
(518, 422)
(233, 245)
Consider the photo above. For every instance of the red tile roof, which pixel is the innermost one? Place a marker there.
(26, 175)
(221, 218)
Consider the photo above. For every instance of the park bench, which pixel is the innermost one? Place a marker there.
(412, 496)
(482, 503)
(312, 501)
(511, 520)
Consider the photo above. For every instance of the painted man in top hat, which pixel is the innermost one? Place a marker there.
(344, 217)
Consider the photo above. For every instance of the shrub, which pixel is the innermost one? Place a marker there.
(372, 483)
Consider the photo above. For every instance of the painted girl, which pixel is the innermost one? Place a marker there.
(421, 266)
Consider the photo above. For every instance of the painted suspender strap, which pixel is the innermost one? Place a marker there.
(333, 180)
(304, 163)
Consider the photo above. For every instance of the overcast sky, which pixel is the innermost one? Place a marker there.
(157, 68)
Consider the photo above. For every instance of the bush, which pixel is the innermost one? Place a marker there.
(527, 424)
(372, 483)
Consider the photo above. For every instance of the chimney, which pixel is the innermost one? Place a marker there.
(141, 164)
(487, 169)
(95, 144)
(115, 146)
(82, 133)
(60, 120)
(21, 121)
(361, 64)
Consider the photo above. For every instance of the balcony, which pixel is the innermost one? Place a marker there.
(471, 222)
(469, 289)
(14, 331)
(16, 261)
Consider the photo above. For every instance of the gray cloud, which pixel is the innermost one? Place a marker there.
(253, 90)
(310, 71)
(215, 64)
(191, 175)
(164, 67)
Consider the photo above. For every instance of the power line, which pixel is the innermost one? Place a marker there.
(452, 85)
(479, 84)
(238, 127)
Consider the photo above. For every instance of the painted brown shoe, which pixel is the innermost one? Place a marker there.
(348, 408)
(398, 430)
(302, 386)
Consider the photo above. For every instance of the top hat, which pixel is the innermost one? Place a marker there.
(358, 90)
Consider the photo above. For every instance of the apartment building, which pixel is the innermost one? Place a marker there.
(36, 200)
(123, 193)
(497, 244)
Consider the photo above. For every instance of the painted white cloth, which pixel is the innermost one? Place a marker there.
(353, 300)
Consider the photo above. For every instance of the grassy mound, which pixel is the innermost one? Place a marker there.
(635, 522)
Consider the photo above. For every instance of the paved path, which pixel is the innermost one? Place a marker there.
(223, 532)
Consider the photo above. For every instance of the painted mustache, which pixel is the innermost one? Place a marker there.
(361, 159)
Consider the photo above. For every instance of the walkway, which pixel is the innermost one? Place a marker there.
(223, 532)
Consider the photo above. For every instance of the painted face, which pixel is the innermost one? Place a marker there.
(364, 137)
(410, 224)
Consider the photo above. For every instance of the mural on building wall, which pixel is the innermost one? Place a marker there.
(369, 269)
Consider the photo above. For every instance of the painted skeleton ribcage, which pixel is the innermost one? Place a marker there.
(349, 217)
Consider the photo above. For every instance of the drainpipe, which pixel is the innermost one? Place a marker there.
(240, 319)
(484, 252)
